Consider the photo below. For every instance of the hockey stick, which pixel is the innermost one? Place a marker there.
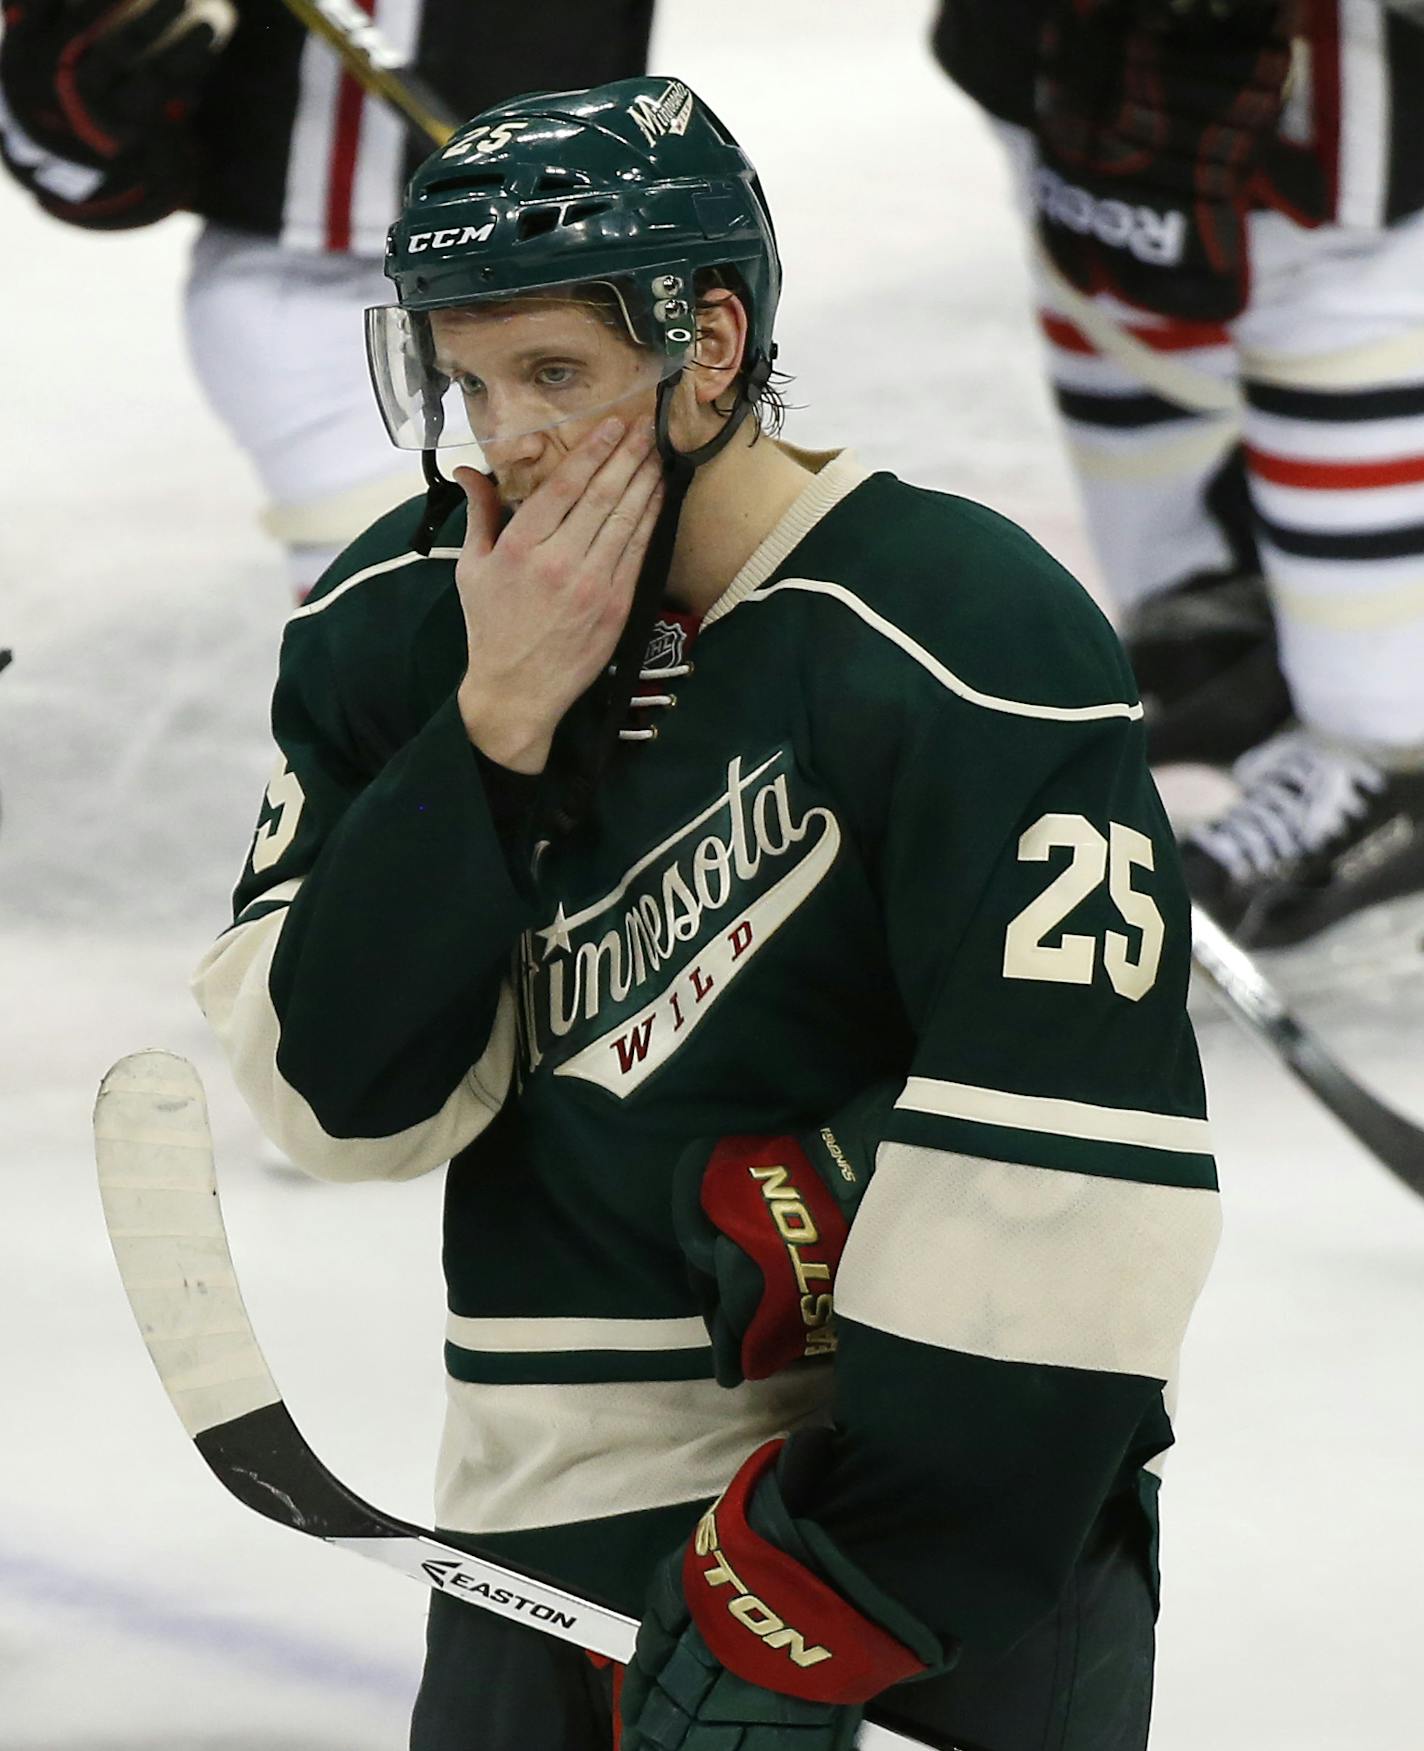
(376, 64)
(159, 1189)
(1395, 1141)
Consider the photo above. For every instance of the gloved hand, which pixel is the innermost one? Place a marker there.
(1151, 124)
(746, 1646)
(762, 1222)
(96, 97)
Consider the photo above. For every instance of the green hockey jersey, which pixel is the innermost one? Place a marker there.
(899, 829)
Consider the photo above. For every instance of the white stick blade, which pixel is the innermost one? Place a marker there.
(159, 1190)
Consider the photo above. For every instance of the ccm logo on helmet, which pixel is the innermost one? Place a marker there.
(451, 238)
(745, 1608)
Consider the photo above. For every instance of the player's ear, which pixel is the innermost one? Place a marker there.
(721, 343)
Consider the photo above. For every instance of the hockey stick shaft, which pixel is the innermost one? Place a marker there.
(378, 66)
(158, 1184)
(1394, 1140)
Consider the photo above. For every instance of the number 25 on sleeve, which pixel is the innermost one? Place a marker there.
(1072, 959)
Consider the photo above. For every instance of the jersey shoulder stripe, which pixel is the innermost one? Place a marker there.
(982, 609)
(380, 550)
(319, 604)
(1130, 710)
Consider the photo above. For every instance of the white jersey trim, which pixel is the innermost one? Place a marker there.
(834, 475)
(1069, 1270)
(516, 1457)
(1061, 1118)
(532, 1337)
(946, 677)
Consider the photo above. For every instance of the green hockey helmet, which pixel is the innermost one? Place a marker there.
(630, 199)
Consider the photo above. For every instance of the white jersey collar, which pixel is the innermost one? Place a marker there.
(835, 473)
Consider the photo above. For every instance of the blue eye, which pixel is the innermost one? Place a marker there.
(555, 376)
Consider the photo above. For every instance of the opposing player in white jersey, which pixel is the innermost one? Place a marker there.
(116, 114)
(1229, 213)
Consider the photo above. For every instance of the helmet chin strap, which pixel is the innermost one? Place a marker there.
(442, 496)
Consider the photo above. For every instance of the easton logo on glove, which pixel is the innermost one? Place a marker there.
(752, 1613)
(770, 1620)
(764, 1194)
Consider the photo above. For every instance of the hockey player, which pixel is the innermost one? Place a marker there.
(115, 114)
(829, 953)
(1229, 205)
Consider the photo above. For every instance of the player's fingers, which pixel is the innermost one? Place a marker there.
(604, 494)
(482, 513)
(621, 525)
(548, 505)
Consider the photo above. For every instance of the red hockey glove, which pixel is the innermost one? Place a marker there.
(746, 1643)
(1151, 126)
(762, 1222)
(94, 97)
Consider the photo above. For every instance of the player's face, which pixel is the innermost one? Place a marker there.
(536, 377)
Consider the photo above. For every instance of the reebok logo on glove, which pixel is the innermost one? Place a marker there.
(1151, 234)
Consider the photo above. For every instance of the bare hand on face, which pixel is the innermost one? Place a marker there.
(546, 599)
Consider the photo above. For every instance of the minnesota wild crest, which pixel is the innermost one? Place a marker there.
(609, 992)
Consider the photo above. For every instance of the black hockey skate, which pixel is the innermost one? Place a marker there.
(1319, 835)
(1204, 653)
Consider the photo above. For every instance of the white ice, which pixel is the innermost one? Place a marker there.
(140, 1606)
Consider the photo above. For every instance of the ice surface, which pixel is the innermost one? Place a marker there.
(139, 1606)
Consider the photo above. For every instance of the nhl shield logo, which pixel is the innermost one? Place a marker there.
(667, 646)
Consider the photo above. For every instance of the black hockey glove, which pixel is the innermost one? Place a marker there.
(1151, 126)
(94, 100)
(762, 1222)
(759, 1636)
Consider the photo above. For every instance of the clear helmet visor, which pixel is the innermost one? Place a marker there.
(494, 371)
